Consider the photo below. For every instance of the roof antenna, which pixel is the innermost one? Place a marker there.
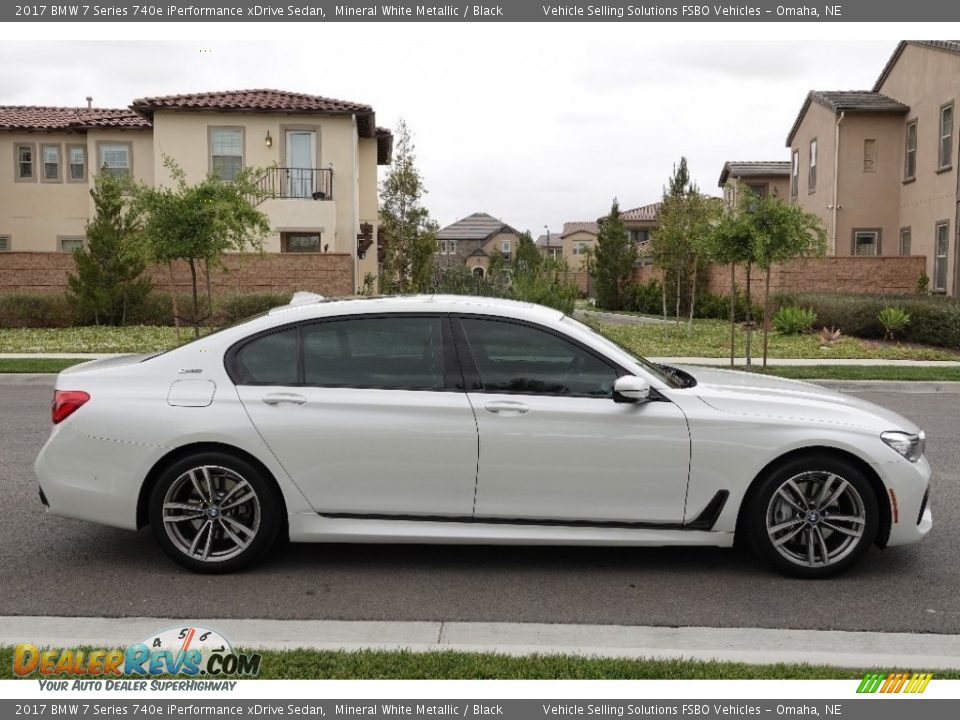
(89, 102)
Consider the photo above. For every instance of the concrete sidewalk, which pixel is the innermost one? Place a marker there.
(749, 645)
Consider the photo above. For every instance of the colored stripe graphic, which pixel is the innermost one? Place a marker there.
(894, 682)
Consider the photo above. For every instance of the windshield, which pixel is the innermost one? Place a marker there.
(656, 370)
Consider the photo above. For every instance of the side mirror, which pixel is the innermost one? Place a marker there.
(630, 389)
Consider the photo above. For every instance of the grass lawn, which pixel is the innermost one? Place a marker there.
(863, 372)
(92, 339)
(446, 665)
(711, 338)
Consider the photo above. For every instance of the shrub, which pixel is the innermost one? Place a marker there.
(933, 320)
(644, 297)
(239, 307)
(894, 320)
(717, 307)
(792, 320)
(33, 310)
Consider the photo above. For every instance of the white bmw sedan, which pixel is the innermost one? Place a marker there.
(470, 420)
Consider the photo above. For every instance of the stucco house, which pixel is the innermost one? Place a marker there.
(550, 245)
(471, 241)
(319, 155)
(879, 166)
(767, 177)
(578, 238)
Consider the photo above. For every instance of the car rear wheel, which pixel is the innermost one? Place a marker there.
(214, 513)
(813, 517)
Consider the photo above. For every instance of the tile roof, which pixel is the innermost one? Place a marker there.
(569, 228)
(952, 46)
(22, 117)
(754, 168)
(847, 101)
(646, 212)
(479, 226)
(549, 240)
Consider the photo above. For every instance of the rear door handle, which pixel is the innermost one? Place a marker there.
(278, 398)
(507, 408)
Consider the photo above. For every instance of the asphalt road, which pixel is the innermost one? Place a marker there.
(55, 566)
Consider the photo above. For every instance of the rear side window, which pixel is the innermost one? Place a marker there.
(392, 353)
(268, 360)
(515, 358)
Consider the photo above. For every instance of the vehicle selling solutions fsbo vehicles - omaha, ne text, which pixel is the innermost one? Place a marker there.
(443, 419)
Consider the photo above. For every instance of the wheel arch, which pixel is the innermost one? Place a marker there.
(177, 454)
(876, 484)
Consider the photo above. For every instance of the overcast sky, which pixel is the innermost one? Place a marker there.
(534, 124)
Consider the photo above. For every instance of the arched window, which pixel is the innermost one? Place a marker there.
(478, 273)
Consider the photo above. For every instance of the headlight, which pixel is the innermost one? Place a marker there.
(908, 445)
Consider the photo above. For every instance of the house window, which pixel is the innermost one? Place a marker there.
(478, 273)
(812, 180)
(448, 247)
(910, 152)
(77, 158)
(115, 159)
(940, 257)
(866, 242)
(905, 241)
(758, 189)
(870, 155)
(580, 247)
(946, 136)
(25, 159)
(795, 174)
(300, 242)
(4, 243)
(51, 162)
(69, 243)
(505, 249)
(226, 152)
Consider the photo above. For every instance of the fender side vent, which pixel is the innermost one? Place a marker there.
(710, 514)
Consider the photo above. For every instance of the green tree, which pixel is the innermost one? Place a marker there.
(528, 257)
(732, 244)
(781, 232)
(198, 224)
(611, 263)
(108, 282)
(408, 262)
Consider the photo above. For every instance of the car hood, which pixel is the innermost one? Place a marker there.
(748, 393)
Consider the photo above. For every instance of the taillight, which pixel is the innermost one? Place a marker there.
(65, 402)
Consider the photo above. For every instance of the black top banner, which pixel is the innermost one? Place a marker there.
(505, 11)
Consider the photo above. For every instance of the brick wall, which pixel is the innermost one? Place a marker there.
(888, 275)
(323, 273)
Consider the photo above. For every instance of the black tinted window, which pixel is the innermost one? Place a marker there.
(521, 359)
(391, 353)
(268, 360)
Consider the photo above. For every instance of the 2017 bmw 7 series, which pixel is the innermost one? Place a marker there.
(444, 419)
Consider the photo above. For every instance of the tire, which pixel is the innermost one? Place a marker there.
(806, 532)
(214, 512)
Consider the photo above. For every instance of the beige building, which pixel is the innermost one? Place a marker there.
(640, 223)
(473, 240)
(762, 178)
(577, 240)
(880, 166)
(319, 156)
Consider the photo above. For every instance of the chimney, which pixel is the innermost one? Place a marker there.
(89, 102)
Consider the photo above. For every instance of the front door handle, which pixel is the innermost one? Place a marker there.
(278, 398)
(507, 408)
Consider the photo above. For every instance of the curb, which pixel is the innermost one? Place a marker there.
(748, 645)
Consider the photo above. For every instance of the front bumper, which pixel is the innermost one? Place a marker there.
(908, 489)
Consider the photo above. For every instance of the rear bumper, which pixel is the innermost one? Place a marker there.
(93, 479)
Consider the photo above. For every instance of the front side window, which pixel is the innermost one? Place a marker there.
(390, 353)
(51, 162)
(77, 157)
(946, 136)
(940, 257)
(910, 152)
(226, 152)
(514, 358)
(866, 242)
(812, 181)
(25, 162)
(905, 241)
(115, 159)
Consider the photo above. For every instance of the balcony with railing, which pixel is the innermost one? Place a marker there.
(284, 183)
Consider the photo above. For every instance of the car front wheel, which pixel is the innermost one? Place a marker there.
(813, 517)
(213, 512)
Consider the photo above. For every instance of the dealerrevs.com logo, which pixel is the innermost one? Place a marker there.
(896, 682)
(185, 651)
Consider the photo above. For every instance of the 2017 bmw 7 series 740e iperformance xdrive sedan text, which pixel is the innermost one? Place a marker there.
(444, 419)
